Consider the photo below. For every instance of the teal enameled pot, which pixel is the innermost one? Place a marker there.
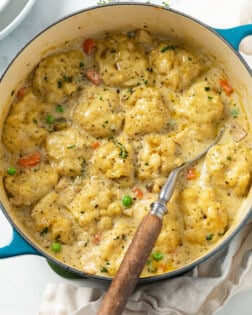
(221, 43)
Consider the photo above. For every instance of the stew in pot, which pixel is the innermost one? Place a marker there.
(93, 133)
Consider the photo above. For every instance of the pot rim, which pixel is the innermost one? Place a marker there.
(154, 278)
(135, 3)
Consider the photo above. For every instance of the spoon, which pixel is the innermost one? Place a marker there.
(142, 243)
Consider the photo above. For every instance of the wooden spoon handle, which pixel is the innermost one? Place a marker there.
(130, 269)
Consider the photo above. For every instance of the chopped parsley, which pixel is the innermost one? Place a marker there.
(44, 231)
(71, 146)
(105, 124)
(168, 47)
(104, 269)
(235, 113)
(83, 165)
(59, 84)
(209, 237)
(207, 88)
(152, 269)
(67, 79)
(166, 4)
(104, 2)
(123, 152)
(130, 34)
(150, 70)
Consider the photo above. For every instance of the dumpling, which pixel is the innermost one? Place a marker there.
(157, 156)
(22, 130)
(95, 200)
(173, 67)
(48, 216)
(31, 184)
(200, 109)
(114, 159)
(98, 112)
(205, 218)
(122, 61)
(229, 165)
(145, 112)
(57, 76)
(66, 151)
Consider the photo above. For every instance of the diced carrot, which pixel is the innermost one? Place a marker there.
(95, 145)
(162, 266)
(21, 92)
(88, 45)
(97, 238)
(191, 173)
(93, 76)
(138, 192)
(30, 160)
(226, 86)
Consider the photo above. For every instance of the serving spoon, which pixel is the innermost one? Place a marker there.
(142, 243)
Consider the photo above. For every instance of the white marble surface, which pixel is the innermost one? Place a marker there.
(23, 279)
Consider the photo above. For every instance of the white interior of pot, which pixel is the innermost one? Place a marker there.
(128, 17)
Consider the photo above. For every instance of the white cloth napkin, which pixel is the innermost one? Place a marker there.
(208, 287)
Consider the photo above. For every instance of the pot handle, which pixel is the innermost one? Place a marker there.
(17, 246)
(236, 34)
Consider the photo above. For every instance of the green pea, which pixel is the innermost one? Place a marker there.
(60, 109)
(157, 256)
(56, 247)
(49, 119)
(11, 170)
(127, 201)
